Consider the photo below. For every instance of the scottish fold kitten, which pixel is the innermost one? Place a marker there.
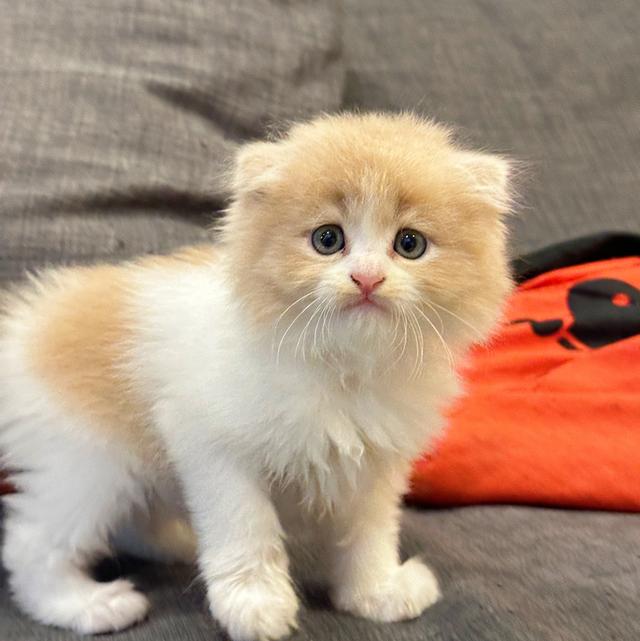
(276, 383)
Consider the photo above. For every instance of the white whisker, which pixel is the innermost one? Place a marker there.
(295, 302)
(415, 326)
(322, 318)
(318, 316)
(447, 351)
(396, 325)
(303, 333)
(334, 308)
(435, 311)
(462, 320)
(406, 338)
(314, 344)
(288, 328)
(401, 316)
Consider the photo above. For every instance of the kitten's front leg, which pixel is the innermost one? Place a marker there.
(368, 578)
(240, 548)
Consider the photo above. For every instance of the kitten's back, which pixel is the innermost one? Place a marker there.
(69, 331)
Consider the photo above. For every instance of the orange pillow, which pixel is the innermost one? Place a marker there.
(552, 413)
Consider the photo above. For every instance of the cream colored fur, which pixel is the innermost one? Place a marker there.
(236, 385)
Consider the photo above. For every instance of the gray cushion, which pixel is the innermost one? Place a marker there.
(507, 574)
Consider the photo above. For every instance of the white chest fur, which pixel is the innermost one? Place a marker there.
(317, 426)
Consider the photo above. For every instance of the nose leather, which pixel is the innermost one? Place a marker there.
(367, 283)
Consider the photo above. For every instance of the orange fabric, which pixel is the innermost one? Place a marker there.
(542, 422)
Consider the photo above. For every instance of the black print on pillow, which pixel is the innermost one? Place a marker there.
(604, 311)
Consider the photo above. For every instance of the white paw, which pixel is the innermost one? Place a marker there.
(404, 594)
(255, 610)
(109, 607)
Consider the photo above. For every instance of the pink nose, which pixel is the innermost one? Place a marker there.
(367, 282)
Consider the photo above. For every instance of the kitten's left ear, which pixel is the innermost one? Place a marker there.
(489, 176)
(255, 167)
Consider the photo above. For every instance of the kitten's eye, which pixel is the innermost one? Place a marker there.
(410, 243)
(328, 239)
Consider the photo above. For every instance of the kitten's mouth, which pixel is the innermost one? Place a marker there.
(366, 303)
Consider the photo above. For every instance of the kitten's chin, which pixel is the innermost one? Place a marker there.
(362, 323)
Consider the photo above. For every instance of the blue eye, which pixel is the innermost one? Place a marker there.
(410, 244)
(328, 239)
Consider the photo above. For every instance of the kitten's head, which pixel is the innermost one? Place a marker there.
(368, 233)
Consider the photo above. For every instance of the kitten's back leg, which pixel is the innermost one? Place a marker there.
(160, 532)
(73, 490)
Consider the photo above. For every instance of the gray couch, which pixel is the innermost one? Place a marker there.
(118, 120)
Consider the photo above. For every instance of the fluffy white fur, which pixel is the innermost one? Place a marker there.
(258, 431)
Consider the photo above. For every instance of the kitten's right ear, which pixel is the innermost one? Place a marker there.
(255, 167)
(490, 177)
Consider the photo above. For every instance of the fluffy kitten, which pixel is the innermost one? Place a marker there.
(281, 380)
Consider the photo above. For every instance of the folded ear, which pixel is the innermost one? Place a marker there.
(489, 176)
(255, 167)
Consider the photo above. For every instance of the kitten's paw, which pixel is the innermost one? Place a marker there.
(405, 594)
(255, 610)
(107, 607)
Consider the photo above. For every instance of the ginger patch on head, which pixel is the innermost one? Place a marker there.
(389, 200)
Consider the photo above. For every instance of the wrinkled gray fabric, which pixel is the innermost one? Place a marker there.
(118, 119)
(507, 574)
